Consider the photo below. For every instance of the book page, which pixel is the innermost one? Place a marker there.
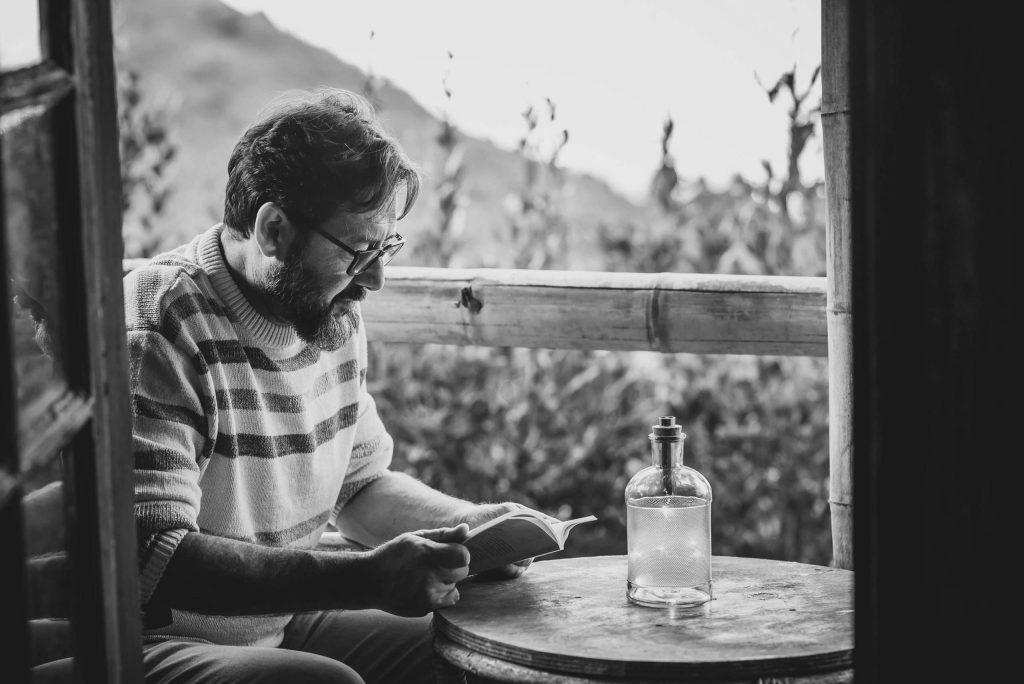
(525, 513)
(562, 529)
(516, 536)
(509, 540)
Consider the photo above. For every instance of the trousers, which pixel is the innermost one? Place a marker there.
(338, 646)
(329, 646)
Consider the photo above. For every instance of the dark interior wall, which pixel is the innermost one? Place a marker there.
(936, 218)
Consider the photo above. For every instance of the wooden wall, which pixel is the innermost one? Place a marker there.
(936, 224)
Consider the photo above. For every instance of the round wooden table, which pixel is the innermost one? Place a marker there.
(568, 621)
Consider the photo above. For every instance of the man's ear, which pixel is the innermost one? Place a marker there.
(273, 231)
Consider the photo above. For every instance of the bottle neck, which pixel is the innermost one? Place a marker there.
(667, 454)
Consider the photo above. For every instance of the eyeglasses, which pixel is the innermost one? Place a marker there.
(365, 258)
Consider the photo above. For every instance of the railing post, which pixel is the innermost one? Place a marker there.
(835, 119)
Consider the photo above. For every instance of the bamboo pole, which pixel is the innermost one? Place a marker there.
(664, 312)
(835, 117)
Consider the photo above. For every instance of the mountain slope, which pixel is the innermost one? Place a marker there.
(218, 68)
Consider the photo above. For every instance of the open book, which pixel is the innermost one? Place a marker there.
(515, 536)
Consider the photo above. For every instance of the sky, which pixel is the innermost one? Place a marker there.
(615, 70)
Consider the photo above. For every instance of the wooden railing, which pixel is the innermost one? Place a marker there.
(666, 312)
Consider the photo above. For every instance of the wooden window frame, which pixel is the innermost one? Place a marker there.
(76, 83)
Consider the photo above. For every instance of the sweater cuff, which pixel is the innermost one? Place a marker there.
(159, 555)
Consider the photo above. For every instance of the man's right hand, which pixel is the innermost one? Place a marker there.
(415, 573)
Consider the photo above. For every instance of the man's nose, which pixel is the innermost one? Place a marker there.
(373, 277)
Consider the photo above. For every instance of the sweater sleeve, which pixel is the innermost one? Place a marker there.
(168, 427)
(170, 438)
(372, 446)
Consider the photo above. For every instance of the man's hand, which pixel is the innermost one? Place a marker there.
(480, 514)
(416, 572)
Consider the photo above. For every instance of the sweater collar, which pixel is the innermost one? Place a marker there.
(264, 331)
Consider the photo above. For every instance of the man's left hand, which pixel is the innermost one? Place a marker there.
(480, 514)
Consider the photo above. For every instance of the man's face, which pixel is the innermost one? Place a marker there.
(312, 289)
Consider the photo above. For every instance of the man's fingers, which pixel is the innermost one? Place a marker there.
(453, 575)
(449, 599)
(495, 510)
(445, 534)
(510, 571)
(451, 555)
(513, 570)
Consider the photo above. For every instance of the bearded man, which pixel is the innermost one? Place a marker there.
(254, 432)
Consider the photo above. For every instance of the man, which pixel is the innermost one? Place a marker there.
(253, 430)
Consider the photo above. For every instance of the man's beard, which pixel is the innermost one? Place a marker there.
(298, 293)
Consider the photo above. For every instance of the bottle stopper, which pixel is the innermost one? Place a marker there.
(667, 430)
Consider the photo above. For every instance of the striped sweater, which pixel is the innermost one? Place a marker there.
(239, 428)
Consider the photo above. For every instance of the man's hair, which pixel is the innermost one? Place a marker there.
(313, 154)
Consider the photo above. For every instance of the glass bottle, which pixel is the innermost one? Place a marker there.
(668, 526)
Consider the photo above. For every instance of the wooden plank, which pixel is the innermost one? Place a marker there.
(51, 640)
(14, 646)
(697, 313)
(103, 248)
(8, 373)
(836, 121)
(40, 85)
(936, 251)
(92, 645)
(51, 586)
(55, 32)
(64, 416)
(43, 511)
(106, 613)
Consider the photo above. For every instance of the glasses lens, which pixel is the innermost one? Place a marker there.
(365, 259)
(388, 252)
(362, 262)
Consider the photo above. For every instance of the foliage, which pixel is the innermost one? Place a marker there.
(436, 248)
(564, 430)
(146, 150)
(538, 233)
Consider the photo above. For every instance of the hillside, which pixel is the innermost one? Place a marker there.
(217, 67)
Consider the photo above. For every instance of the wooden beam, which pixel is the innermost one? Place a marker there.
(51, 640)
(51, 585)
(99, 496)
(39, 85)
(14, 646)
(835, 119)
(53, 427)
(43, 514)
(666, 312)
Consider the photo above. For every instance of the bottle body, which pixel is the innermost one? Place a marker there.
(669, 546)
(668, 531)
